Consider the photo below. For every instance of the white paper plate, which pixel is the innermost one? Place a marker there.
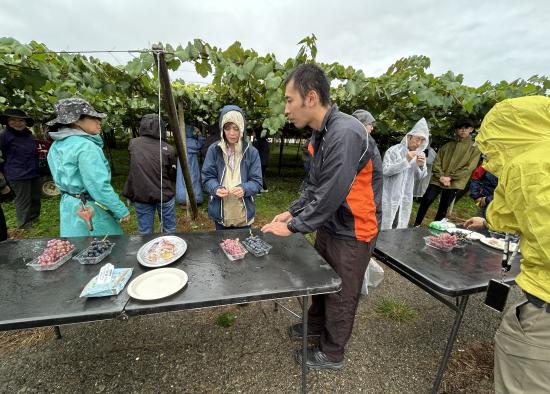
(181, 247)
(471, 234)
(497, 243)
(157, 284)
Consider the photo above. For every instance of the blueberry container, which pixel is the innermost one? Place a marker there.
(257, 246)
(83, 257)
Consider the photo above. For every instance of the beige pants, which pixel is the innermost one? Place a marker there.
(522, 351)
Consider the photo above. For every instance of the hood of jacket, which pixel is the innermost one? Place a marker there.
(149, 126)
(65, 132)
(243, 137)
(420, 129)
(512, 127)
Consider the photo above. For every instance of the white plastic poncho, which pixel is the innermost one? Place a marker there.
(399, 175)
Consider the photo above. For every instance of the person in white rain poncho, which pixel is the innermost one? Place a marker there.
(401, 165)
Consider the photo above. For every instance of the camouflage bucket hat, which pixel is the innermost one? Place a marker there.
(70, 110)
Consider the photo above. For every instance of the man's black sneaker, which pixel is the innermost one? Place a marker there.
(296, 332)
(317, 359)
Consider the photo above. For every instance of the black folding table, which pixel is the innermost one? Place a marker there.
(29, 298)
(444, 275)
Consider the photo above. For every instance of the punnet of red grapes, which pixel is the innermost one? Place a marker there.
(233, 248)
(444, 241)
(55, 249)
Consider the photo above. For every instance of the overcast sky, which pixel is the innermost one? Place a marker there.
(484, 40)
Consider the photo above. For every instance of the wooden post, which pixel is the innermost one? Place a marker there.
(179, 136)
(108, 145)
(281, 146)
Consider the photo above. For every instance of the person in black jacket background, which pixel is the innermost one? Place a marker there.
(143, 186)
(20, 166)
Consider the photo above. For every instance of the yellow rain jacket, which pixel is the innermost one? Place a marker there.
(515, 137)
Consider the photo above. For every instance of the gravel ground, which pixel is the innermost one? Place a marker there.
(188, 352)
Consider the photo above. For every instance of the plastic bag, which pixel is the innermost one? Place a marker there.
(373, 276)
(99, 287)
(441, 225)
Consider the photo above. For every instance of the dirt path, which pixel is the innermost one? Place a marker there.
(188, 352)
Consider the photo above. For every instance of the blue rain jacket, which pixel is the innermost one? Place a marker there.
(194, 144)
(77, 164)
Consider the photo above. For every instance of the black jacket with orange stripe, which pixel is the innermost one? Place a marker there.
(344, 190)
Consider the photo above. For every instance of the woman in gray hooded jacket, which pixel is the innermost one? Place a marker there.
(232, 173)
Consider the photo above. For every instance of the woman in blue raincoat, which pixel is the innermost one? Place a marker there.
(81, 171)
(194, 143)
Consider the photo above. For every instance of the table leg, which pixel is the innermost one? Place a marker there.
(450, 342)
(57, 332)
(304, 344)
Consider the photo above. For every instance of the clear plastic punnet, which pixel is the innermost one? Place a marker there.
(233, 249)
(92, 255)
(34, 264)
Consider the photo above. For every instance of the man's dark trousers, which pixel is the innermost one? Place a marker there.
(332, 315)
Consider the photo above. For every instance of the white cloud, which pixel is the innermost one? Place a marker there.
(490, 40)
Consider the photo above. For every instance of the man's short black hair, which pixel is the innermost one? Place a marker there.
(307, 77)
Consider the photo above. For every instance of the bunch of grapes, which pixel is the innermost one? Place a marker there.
(233, 248)
(97, 248)
(55, 249)
(443, 241)
(462, 238)
(257, 246)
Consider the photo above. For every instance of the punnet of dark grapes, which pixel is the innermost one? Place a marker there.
(96, 252)
(257, 246)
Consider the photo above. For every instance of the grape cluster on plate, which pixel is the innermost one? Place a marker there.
(257, 246)
(55, 249)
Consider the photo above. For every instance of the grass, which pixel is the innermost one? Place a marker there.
(10, 340)
(226, 319)
(396, 310)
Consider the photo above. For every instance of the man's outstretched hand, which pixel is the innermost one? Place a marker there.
(282, 217)
(475, 223)
(277, 228)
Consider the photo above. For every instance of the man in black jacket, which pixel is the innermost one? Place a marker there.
(339, 202)
(147, 174)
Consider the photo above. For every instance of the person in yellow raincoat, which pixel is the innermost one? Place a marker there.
(515, 137)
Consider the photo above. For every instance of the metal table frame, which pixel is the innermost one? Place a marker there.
(278, 272)
(458, 306)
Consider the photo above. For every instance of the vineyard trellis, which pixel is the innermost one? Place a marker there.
(32, 78)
